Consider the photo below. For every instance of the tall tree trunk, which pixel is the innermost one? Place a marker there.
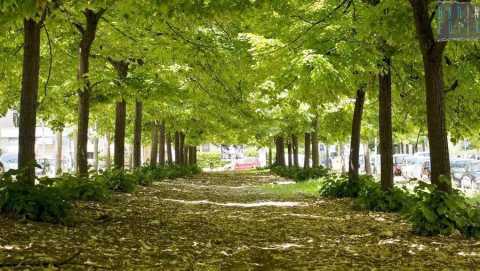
(270, 158)
(161, 149)
(354, 163)
(186, 152)
(290, 153)
(169, 149)
(154, 146)
(385, 125)
(95, 152)
(306, 161)
(315, 154)
(191, 155)
(182, 148)
(28, 100)
(368, 166)
(119, 137)
(59, 152)
(280, 148)
(432, 52)
(137, 135)
(327, 154)
(294, 139)
(88, 36)
(177, 148)
(108, 161)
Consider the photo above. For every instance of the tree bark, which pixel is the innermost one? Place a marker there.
(385, 125)
(294, 139)
(88, 36)
(108, 161)
(161, 149)
(191, 155)
(177, 148)
(137, 137)
(280, 148)
(314, 139)
(95, 152)
(354, 163)
(59, 152)
(290, 154)
(169, 149)
(327, 154)
(182, 148)
(28, 99)
(306, 162)
(368, 166)
(432, 52)
(119, 137)
(270, 154)
(154, 146)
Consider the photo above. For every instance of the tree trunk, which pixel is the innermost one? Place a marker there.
(191, 155)
(108, 161)
(270, 158)
(161, 149)
(354, 164)
(368, 166)
(28, 100)
(119, 136)
(182, 148)
(59, 152)
(177, 148)
(186, 152)
(314, 139)
(290, 154)
(432, 52)
(169, 149)
(154, 146)
(280, 148)
(95, 153)
(306, 162)
(385, 125)
(327, 154)
(294, 139)
(137, 136)
(88, 36)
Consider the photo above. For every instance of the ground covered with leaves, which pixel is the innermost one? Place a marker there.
(227, 221)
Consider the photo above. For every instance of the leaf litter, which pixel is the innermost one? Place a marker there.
(156, 229)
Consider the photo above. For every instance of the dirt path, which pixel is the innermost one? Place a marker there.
(225, 222)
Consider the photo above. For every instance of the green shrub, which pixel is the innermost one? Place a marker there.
(82, 188)
(35, 202)
(338, 186)
(372, 197)
(438, 212)
(117, 180)
(300, 174)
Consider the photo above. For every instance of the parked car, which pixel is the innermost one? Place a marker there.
(244, 164)
(8, 161)
(416, 167)
(398, 161)
(422, 154)
(467, 177)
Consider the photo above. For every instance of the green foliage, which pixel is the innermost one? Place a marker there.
(439, 212)
(208, 160)
(372, 197)
(117, 180)
(338, 186)
(300, 174)
(39, 202)
(81, 188)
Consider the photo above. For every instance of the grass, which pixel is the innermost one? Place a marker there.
(308, 188)
(475, 199)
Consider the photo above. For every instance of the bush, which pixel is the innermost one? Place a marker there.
(117, 180)
(338, 186)
(438, 212)
(81, 188)
(35, 202)
(372, 197)
(300, 174)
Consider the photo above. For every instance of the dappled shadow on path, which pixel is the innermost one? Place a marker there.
(223, 221)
